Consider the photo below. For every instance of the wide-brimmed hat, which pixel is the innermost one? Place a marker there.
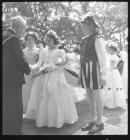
(89, 20)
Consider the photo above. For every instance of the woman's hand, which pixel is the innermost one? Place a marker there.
(113, 63)
(49, 68)
(102, 82)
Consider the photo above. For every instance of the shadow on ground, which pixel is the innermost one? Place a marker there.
(113, 116)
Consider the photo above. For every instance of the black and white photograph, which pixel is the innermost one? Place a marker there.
(65, 68)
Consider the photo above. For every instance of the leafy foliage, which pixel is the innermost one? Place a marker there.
(64, 18)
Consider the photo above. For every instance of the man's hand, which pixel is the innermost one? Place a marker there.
(36, 74)
(33, 70)
(24, 57)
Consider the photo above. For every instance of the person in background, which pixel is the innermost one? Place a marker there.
(114, 95)
(93, 72)
(120, 64)
(14, 66)
(31, 53)
(124, 56)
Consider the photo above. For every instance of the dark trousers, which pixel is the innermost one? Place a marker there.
(12, 110)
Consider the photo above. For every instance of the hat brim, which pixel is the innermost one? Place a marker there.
(87, 22)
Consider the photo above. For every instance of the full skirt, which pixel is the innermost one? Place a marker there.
(52, 103)
(26, 91)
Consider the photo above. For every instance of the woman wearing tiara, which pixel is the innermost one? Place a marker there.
(51, 103)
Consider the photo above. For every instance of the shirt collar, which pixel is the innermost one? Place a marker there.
(12, 30)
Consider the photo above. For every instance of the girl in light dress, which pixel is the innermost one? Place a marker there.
(51, 103)
(31, 53)
(71, 70)
(113, 95)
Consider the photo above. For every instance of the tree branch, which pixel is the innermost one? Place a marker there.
(46, 11)
(106, 12)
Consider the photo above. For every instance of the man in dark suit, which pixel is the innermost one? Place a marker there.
(14, 67)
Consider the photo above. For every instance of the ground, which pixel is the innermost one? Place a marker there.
(115, 123)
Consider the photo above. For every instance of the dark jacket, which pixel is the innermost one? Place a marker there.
(87, 49)
(14, 65)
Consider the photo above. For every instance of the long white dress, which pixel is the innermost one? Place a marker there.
(51, 103)
(124, 56)
(113, 92)
(31, 56)
(73, 65)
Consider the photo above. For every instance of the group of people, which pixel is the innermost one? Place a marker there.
(45, 94)
(116, 90)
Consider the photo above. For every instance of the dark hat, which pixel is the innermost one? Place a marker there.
(89, 20)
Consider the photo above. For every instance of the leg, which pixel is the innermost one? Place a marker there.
(12, 110)
(90, 98)
(91, 103)
(92, 111)
(99, 126)
(99, 105)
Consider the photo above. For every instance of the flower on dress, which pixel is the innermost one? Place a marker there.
(59, 60)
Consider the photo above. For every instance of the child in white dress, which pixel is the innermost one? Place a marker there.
(51, 103)
(113, 95)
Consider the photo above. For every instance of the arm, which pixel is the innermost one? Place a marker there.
(81, 53)
(17, 53)
(39, 62)
(102, 57)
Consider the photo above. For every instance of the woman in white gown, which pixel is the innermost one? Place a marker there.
(72, 74)
(51, 103)
(31, 55)
(113, 95)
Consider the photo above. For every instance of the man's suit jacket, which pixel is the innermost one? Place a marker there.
(14, 65)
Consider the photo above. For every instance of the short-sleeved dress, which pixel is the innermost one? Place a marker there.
(51, 103)
(31, 56)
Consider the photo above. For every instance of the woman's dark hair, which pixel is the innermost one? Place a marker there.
(52, 34)
(32, 35)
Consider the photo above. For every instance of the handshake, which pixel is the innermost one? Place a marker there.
(37, 72)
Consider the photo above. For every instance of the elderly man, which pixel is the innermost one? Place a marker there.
(14, 67)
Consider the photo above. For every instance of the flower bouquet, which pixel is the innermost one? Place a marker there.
(60, 61)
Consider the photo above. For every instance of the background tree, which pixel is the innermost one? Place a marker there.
(64, 18)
